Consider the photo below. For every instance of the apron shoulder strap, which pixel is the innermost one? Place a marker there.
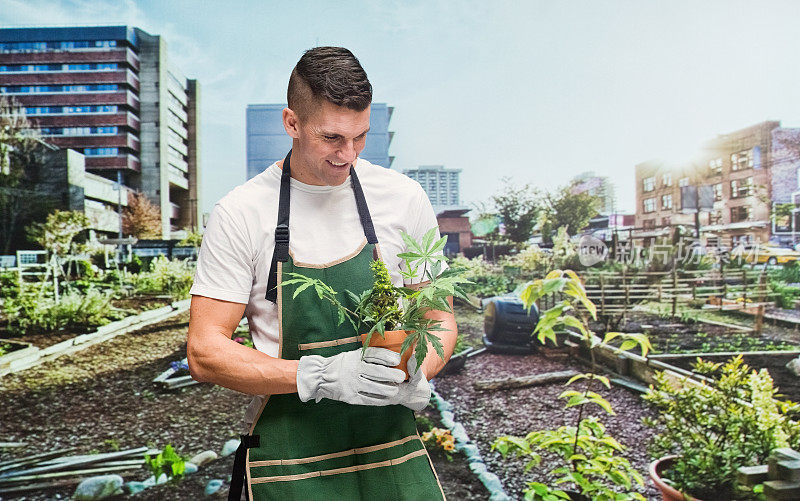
(281, 252)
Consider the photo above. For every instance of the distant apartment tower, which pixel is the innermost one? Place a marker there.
(440, 183)
(598, 186)
(112, 94)
(267, 141)
(738, 177)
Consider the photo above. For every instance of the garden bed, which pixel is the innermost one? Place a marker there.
(132, 305)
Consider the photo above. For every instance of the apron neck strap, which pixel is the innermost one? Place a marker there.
(281, 252)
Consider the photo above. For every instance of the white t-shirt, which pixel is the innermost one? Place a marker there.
(324, 226)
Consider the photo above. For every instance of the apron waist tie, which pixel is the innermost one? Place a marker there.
(239, 473)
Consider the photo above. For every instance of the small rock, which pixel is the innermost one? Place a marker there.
(162, 479)
(189, 468)
(477, 468)
(794, 366)
(470, 450)
(134, 487)
(98, 487)
(499, 496)
(229, 447)
(204, 457)
(491, 482)
(213, 486)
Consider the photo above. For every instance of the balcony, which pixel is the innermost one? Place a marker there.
(130, 162)
(119, 55)
(177, 178)
(99, 188)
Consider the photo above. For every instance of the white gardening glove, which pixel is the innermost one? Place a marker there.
(416, 392)
(347, 377)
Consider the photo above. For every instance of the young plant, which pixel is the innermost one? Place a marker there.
(167, 462)
(440, 439)
(386, 307)
(590, 456)
(716, 428)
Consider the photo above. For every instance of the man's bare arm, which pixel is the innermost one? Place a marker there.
(215, 358)
(432, 363)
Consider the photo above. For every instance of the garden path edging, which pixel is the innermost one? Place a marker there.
(470, 450)
(102, 334)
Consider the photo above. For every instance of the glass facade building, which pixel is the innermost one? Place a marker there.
(267, 141)
(441, 184)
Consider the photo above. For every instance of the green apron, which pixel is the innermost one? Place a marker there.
(329, 450)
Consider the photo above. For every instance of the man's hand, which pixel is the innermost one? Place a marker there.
(416, 392)
(347, 377)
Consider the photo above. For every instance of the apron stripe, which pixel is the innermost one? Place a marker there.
(327, 344)
(338, 471)
(312, 459)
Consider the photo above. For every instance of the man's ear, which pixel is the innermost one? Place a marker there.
(290, 123)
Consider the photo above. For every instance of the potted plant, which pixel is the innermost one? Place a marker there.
(397, 314)
(591, 466)
(707, 430)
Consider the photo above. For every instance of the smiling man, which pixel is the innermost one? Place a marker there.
(326, 422)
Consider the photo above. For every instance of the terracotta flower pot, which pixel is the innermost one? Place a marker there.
(668, 493)
(392, 340)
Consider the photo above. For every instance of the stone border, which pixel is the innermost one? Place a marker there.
(470, 450)
(104, 333)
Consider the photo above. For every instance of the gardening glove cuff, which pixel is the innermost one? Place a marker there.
(416, 392)
(347, 377)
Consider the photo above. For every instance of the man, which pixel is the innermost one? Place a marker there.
(331, 424)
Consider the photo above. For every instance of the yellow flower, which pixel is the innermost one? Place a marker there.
(448, 446)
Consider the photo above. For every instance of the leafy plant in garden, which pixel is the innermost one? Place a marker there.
(376, 310)
(167, 462)
(484, 279)
(589, 454)
(74, 310)
(173, 277)
(716, 428)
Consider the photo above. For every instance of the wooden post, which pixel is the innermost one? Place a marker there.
(674, 292)
(759, 319)
(659, 292)
(744, 285)
(602, 295)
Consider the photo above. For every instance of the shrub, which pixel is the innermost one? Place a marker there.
(785, 295)
(75, 309)
(487, 279)
(173, 277)
(8, 284)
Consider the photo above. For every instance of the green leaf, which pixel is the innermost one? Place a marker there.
(302, 288)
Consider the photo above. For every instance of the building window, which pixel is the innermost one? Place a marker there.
(70, 110)
(666, 202)
(715, 166)
(684, 181)
(715, 217)
(649, 205)
(742, 160)
(739, 214)
(101, 152)
(666, 179)
(78, 131)
(48, 46)
(718, 192)
(649, 224)
(57, 89)
(665, 221)
(742, 187)
(649, 184)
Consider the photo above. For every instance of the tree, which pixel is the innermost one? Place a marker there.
(58, 233)
(142, 218)
(571, 211)
(20, 161)
(519, 208)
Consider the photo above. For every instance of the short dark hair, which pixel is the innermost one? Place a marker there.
(330, 73)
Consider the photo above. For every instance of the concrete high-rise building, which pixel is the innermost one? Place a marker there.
(267, 141)
(440, 183)
(112, 94)
(599, 186)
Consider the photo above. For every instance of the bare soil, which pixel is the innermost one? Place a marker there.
(102, 398)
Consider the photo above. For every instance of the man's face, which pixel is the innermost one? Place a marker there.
(326, 142)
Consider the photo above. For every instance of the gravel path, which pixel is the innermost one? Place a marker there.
(490, 414)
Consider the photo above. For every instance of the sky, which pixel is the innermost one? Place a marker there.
(535, 91)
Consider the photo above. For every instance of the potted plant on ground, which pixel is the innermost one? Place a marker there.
(397, 314)
(590, 461)
(706, 431)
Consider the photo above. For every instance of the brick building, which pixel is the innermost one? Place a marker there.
(112, 94)
(738, 176)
